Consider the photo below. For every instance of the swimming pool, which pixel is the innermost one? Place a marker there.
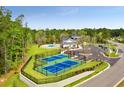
(51, 45)
(53, 58)
(60, 66)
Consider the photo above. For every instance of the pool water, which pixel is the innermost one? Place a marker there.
(51, 45)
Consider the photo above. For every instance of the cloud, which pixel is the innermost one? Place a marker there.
(68, 10)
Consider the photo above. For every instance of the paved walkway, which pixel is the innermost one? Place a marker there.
(67, 81)
(111, 76)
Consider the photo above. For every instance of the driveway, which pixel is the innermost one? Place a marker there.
(111, 76)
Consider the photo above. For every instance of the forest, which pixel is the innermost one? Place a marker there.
(16, 36)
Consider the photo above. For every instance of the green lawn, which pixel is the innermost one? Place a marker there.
(113, 54)
(34, 49)
(97, 70)
(14, 81)
(29, 69)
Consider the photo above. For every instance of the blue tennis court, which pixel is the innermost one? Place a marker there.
(53, 58)
(60, 66)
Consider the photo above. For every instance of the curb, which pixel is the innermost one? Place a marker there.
(118, 82)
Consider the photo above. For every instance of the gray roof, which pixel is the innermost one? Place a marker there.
(69, 41)
(75, 37)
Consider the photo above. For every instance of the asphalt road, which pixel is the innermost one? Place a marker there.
(97, 55)
(109, 77)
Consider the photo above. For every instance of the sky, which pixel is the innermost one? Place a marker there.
(70, 17)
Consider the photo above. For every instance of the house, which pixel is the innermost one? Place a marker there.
(74, 37)
(70, 42)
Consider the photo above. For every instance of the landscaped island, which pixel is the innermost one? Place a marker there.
(110, 50)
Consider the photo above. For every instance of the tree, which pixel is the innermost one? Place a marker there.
(40, 38)
(84, 41)
(5, 22)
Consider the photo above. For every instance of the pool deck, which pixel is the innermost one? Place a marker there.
(50, 46)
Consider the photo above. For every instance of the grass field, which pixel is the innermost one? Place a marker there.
(34, 49)
(14, 81)
(97, 70)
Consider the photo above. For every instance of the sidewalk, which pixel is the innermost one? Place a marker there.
(66, 81)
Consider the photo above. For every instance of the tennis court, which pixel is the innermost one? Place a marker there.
(57, 64)
(53, 58)
(60, 66)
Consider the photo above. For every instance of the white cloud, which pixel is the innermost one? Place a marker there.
(68, 10)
